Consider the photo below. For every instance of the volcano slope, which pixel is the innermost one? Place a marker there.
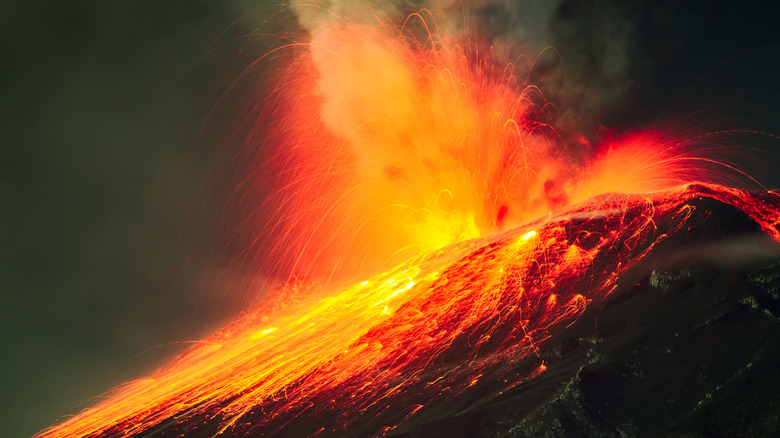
(626, 315)
(686, 345)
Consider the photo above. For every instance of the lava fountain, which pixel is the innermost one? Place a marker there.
(428, 154)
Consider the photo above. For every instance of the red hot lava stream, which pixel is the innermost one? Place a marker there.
(430, 150)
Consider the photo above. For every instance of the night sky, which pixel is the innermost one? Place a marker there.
(110, 187)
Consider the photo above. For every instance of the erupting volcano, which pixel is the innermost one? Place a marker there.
(483, 245)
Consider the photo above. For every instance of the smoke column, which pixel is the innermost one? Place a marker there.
(399, 132)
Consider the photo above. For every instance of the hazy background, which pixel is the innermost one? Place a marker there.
(108, 196)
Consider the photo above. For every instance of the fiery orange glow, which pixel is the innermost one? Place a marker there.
(467, 317)
(425, 152)
(392, 147)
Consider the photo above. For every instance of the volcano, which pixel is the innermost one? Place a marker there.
(625, 315)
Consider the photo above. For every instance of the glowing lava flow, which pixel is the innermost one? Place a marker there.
(439, 334)
(425, 148)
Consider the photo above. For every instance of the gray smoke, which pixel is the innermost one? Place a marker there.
(585, 55)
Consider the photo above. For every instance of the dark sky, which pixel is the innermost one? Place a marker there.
(107, 194)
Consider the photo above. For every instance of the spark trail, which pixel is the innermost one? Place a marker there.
(393, 141)
(398, 149)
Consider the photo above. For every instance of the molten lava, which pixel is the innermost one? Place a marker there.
(439, 334)
(401, 150)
